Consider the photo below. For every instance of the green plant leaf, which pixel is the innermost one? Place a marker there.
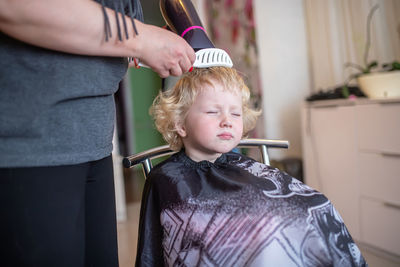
(345, 91)
(396, 65)
(372, 65)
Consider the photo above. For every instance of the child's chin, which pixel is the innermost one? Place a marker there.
(227, 149)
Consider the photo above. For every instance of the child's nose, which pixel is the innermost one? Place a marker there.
(225, 121)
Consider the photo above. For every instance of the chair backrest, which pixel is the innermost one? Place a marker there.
(145, 157)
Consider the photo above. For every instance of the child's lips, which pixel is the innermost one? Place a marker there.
(225, 136)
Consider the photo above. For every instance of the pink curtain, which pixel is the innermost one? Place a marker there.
(232, 28)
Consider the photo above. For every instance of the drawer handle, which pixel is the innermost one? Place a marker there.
(388, 102)
(391, 205)
(390, 154)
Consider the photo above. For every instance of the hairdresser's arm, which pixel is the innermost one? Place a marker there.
(77, 26)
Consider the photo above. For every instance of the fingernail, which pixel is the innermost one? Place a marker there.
(136, 63)
(191, 69)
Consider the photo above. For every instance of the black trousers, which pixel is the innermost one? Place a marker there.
(58, 216)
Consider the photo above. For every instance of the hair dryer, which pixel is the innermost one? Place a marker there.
(182, 18)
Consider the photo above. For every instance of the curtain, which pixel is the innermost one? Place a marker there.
(231, 27)
(337, 32)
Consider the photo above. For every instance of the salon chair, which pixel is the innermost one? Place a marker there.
(145, 158)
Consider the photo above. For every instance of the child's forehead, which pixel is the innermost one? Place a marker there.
(216, 86)
(218, 95)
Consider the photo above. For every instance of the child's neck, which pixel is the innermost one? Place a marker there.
(197, 157)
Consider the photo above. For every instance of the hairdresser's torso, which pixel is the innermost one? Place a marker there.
(55, 108)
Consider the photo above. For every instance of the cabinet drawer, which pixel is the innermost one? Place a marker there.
(380, 177)
(380, 225)
(378, 127)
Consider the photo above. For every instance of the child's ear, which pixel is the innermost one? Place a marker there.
(180, 129)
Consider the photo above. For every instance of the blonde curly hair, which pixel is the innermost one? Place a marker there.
(171, 106)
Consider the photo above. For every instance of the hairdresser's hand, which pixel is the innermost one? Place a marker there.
(164, 51)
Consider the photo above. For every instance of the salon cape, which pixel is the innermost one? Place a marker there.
(237, 212)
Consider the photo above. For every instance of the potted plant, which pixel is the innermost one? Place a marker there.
(384, 83)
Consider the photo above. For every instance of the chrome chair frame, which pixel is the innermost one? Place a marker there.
(145, 157)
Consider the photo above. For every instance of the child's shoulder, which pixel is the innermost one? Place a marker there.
(284, 183)
(168, 166)
(247, 163)
(238, 158)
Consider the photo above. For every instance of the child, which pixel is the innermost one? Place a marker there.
(207, 206)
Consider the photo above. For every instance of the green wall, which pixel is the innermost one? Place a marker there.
(145, 85)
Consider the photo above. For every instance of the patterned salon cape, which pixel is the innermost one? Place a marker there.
(237, 212)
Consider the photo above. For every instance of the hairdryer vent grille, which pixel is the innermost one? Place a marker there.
(212, 57)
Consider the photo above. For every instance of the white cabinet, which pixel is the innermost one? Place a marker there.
(351, 153)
